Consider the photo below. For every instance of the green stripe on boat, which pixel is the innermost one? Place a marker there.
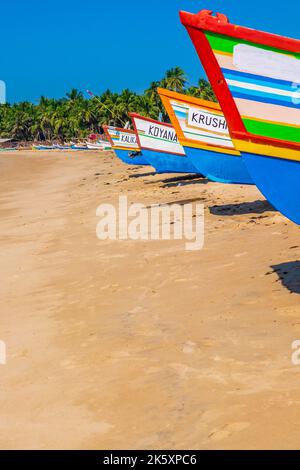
(226, 44)
(277, 131)
(157, 138)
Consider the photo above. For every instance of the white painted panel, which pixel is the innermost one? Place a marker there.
(158, 137)
(123, 138)
(203, 119)
(199, 124)
(266, 63)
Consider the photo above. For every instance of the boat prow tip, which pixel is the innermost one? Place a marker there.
(222, 18)
(204, 15)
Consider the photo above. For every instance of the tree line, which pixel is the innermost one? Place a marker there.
(74, 116)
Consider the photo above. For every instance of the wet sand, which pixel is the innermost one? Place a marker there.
(133, 345)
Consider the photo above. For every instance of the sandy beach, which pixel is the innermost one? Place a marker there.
(133, 345)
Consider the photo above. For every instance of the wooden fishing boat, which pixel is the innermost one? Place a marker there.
(203, 132)
(256, 76)
(100, 145)
(125, 145)
(44, 147)
(79, 147)
(159, 144)
(61, 147)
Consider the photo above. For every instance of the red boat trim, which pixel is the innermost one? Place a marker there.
(220, 24)
(107, 135)
(138, 116)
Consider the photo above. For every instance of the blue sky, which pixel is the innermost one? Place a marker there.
(49, 47)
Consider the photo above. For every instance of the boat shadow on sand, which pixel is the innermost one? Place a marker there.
(255, 207)
(181, 202)
(183, 180)
(143, 175)
(289, 275)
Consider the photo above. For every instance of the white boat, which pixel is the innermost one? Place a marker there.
(79, 146)
(100, 145)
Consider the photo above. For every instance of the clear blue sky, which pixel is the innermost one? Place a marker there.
(49, 47)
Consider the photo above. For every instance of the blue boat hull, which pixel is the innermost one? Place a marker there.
(124, 156)
(74, 147)
(44, 147)
(219, 167)
(169, 163)
(278, 180)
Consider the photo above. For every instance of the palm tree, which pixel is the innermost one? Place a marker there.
(175, 80)
(147, 107)
(206, 90)
(74, 95)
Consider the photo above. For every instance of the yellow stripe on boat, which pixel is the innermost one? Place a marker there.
(268, 150)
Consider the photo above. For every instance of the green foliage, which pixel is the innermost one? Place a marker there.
(76, 117)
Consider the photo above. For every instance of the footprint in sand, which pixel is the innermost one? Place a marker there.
(68, 364)
(227, 431)
(184, 279)
(239, 255)
(189, 347)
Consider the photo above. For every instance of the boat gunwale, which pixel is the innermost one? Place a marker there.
(189, 99)
(221, 25)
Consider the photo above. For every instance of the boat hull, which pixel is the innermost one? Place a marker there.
(168, 163)
(222, 168)
(100, 147)
(44, 147)
(124, 156)
(77, 147)
(278, 180)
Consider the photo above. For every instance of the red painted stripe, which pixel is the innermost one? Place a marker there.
(220, 24)
(138, 116)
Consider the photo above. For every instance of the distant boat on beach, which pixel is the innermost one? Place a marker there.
(43, 147)
(6, 149)
(102, 145)
(99, 145)
(81, 146)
